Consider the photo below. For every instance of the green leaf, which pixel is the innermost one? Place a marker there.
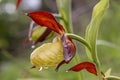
(92, 32)
(112, 78)
(93, 27)
(107, 73)
(108, 44)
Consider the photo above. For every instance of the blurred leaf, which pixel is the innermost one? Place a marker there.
(108, 44)
(32, 79)
(112, 78)
(8, 71)
(4, 43)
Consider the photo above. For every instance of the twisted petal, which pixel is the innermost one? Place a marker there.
(69, 48)
(18, 3)
(90, 67)
(46, 19)
(38, 33)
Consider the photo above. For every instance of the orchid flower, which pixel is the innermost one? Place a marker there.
(60, 51)
(46, 19)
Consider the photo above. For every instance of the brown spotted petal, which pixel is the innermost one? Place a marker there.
(69, 48)
(90, 67)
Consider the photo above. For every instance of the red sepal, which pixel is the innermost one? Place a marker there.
(18, 3)
(90, 67)
(46, 19)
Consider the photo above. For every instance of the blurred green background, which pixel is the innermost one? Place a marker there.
(14, 25)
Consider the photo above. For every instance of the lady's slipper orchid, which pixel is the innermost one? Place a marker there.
(46, 19)
(59, 51)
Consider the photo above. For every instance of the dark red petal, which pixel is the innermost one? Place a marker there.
(69, 48)
(18, 3)
(46, 19)
(43, 36)
(90, 67)
(61, 63)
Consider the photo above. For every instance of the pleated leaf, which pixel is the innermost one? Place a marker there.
(93, 27)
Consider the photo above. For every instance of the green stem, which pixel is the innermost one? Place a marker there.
(80, 39)
(97, 62)
(64, 7)
(58, 16)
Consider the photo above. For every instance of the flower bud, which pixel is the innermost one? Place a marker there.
(48, 55)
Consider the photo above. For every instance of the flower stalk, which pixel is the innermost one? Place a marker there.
(64, 7)
(79, 39)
